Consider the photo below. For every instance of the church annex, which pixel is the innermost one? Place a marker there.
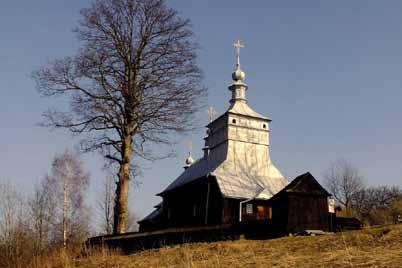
(236, 181)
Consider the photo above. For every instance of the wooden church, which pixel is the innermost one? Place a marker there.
(236, 181)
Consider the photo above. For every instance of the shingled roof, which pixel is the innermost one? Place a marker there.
(305, 184)
(232, 182)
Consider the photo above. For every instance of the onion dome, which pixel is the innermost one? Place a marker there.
(238, 75)
(189, 161)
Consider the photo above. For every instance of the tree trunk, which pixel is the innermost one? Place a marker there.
(65, 205)
(64, 216)
(121, 204)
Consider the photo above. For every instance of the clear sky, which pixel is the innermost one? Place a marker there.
(329, 74)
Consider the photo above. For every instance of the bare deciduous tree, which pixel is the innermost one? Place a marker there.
(10, 210)
(374, 205)
(343, 182)
(15, 242)
(40, 210)
(66, 185)
(133, 82)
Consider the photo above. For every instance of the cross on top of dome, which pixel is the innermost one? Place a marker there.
(238, 74)
(238, 45)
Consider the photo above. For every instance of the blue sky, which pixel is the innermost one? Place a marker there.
(329, 74)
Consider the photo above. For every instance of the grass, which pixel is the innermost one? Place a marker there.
(377, 247)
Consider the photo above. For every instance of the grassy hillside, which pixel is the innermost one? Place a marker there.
(377, 247)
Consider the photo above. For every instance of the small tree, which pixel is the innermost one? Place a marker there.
(343, 181)
(11, 211)
(15, 240)
(133, 82)
(40, 210)
(105, 204)
(66, 185)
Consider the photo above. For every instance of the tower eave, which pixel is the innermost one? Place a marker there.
(251, 116)
(261, 117)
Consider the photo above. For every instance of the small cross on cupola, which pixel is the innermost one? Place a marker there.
(238, 88)
(238, 45)
(238, 74)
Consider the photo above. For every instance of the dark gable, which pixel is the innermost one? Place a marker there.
(304, 184)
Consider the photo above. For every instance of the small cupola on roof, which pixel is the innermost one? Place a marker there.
(238, 87)
(189, 160)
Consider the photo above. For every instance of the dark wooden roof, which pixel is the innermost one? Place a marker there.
(305, 184)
